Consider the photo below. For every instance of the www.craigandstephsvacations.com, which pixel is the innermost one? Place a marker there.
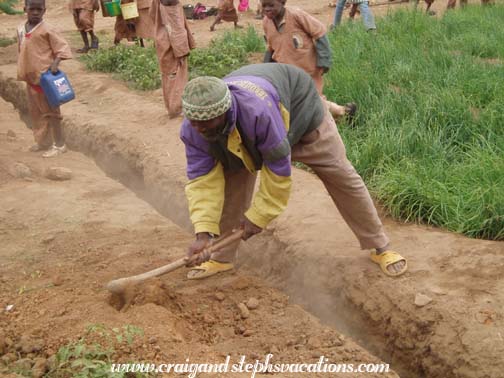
(268, 365)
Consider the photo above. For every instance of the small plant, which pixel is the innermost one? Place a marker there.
(93, 359)
(4, 42)
(6, 6)
(139, 66)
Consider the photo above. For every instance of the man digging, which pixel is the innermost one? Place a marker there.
(262, 117)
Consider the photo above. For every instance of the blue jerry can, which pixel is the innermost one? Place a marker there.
(57, 88)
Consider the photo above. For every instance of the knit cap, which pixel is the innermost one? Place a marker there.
(205, 98)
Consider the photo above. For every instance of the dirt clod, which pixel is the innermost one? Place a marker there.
(27, 344)
(252, 303)
(20, 170)
(422, 300)
(219, 296)
(244, 312)
(57, 280)
(58, 173)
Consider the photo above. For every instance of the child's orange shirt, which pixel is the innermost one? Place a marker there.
(37, 51)
(294, 40)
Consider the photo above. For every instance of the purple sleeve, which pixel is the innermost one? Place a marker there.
(272, 141)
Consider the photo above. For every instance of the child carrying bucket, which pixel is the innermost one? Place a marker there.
(140, 26)
(41, 48)
(83, 14)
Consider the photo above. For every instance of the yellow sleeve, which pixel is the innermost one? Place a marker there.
(205, 195)
(271, 199)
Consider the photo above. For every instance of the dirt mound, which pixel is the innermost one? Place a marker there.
(61, 247)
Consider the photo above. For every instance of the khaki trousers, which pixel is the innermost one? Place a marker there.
(173, 84)
(324, 152)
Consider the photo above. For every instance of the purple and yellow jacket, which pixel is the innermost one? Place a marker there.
(273, 106)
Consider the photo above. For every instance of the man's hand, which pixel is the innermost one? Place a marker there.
(96, 5)
(194, 253)
(54, 65)
(249, 228)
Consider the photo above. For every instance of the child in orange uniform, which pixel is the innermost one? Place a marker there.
(83, 13)
(227, 12)
(41, 48)
(174, 41)
(295, 37)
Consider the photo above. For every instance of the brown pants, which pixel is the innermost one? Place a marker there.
(173, 85)
(84, 19)
(324, 152)
(41, 116)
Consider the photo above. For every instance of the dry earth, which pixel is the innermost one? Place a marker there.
(61, 245)
(63, 240)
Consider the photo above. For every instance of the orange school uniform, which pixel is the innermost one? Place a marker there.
(227, 11)
(143, 24)
(37, 51)
(294, 41)
(83, 14)
(174, 41)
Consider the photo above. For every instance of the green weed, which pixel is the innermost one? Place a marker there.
(139, 66)
(430, 141)
(93, 359)
(4, 42)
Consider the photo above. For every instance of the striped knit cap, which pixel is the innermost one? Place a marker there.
(205, 98)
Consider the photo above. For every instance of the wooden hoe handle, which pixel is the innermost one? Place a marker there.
(118, 286)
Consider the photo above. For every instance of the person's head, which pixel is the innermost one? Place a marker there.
(35, 10)
(205, 103)
(273, 8)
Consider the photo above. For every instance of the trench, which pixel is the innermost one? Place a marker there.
(321, 293)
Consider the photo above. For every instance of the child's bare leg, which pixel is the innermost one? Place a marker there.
(85, 49)
(57, 132)
(217, 21)
(59, 142)
(353, 10)
(142, 42)
(94, 40)
(237, 26)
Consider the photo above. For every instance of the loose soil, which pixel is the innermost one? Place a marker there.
(63, 240)
(69, 238)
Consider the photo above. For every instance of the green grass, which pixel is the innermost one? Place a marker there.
(430, 140)
(4, 42)
(139, 66)
(7, 7)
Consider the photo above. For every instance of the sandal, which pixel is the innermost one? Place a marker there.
(388, 258)
(84, 50)
(207, 269)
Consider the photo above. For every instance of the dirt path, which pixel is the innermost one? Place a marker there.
(62, 240)
(309, 252)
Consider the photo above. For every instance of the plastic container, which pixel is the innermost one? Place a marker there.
(129, 10)
(113, 8)
(104, 9)
(57, 88)
(188, 11)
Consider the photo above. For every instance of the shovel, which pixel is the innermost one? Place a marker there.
(118, 286)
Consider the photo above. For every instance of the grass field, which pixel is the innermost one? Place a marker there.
(430, 134)
(429, 140)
